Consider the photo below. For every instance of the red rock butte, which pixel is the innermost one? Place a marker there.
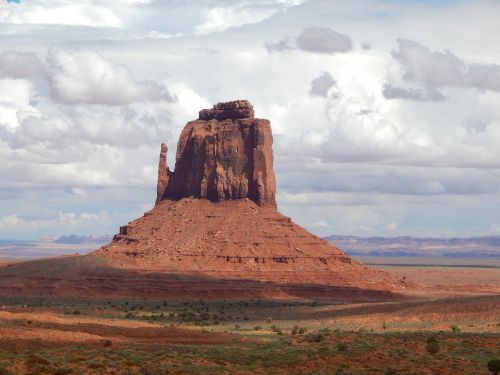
(215, 214)
(224, 155)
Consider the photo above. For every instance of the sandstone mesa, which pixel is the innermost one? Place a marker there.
(216, 214)
(214, 232)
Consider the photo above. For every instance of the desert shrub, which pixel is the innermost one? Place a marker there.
(76, 312)
(107, 343)
(147, 371)
(4, 371)
(391, 372)
(95, 365)
(295, 330)
(203, 323)
(432, 347)
(455, 329)
(277, 330)
(257, 328)
(315, 337)
(204, 316)
(246, 318)
(302, 331)
(494, 366)
(62, 371)
(35, 360)
(432, 339)
(341, 347)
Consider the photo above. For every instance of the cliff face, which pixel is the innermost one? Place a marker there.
(224, 155)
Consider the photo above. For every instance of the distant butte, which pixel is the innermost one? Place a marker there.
(214, 232)
(224, 155)
(216, 215)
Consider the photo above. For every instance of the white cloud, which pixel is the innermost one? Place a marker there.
(83, 193)
(15, 102)
(323, 40)
(444, 69)
(78, 76)
(59, 12)
(313, 39)
(82, 134)
(219, 19)
(237, 13)
(398, 92)
(321, 85)
(15, 64)
(59, 223)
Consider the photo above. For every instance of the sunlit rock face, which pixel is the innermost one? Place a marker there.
(225, 154)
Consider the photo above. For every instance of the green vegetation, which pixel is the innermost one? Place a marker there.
(433, 347)
(252, 337)
(494, 366)
(455, 329)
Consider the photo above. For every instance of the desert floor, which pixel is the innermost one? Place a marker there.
(457, 307)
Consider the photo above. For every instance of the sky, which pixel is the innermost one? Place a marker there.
(385, 113)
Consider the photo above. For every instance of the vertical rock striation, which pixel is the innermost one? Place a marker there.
(224, 155)
(163, 173)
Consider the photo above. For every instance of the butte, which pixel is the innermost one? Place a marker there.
(214, 231)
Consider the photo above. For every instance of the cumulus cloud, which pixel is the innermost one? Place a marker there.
(313, 39)
(78, 76)
(323, 40)
(15, 102)
(221, 18)
(59, 12)
(15, 64)
(62, 222)
(320, 86)
(443, 69)
(87, 139)
(282, 45)
(397, 92)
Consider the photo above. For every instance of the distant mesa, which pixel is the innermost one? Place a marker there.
(74, 239)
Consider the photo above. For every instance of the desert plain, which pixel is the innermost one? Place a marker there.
(455, 306)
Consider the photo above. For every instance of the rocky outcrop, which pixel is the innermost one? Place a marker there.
(224, 155)
(163, 173)
(216, 215)
(214, 232)
(231, 110)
